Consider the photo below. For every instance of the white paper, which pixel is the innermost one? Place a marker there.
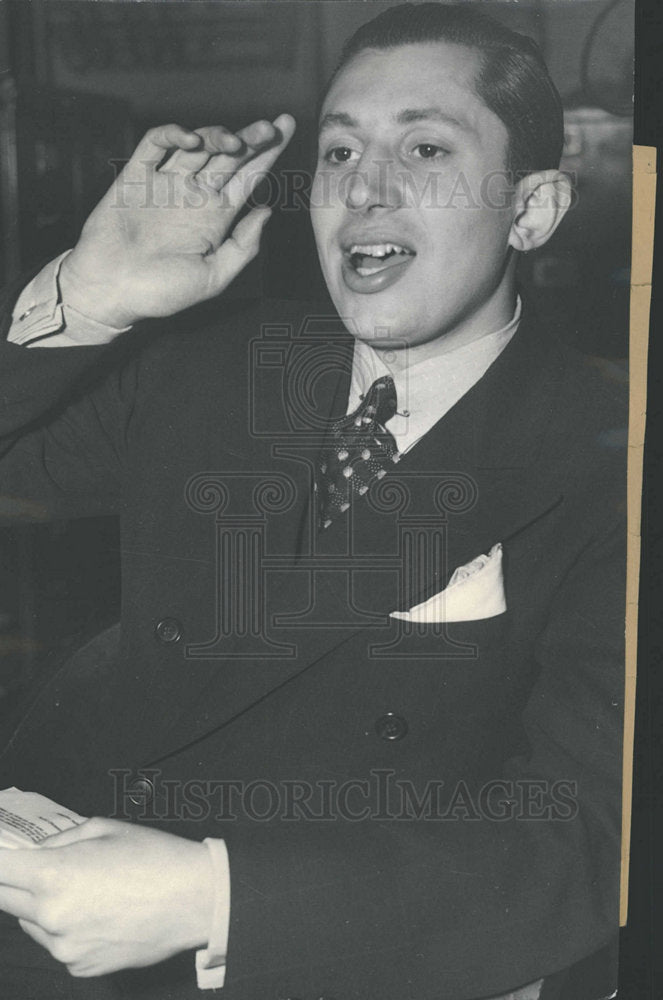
(27, 818)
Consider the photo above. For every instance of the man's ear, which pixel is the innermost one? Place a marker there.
(541, 202)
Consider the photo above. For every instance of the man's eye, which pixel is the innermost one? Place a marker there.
(339, 154)
(429, 151)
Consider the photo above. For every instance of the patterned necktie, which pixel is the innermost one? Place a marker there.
(358, 450)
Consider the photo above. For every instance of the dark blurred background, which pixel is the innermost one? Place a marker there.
(80, 82)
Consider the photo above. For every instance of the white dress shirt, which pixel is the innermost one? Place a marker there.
(425, 391)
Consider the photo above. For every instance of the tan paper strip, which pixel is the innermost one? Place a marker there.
(644, 203)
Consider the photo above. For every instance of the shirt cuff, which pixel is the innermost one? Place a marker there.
(41, 319)
(211, 961)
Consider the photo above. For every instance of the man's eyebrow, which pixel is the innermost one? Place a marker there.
(405, 117)
(337, 118)
(426, 114)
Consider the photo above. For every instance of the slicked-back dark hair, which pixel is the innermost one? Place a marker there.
(513, 79)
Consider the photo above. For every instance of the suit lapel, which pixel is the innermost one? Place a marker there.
(223, 680)
(468, 483)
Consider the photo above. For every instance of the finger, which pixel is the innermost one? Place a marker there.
(237, 250)
(259, 134)
(20, 868)
(215, 140)
(18, 902)
(37, 933)
(260, 138)
(222, 150)
(244, 181)
(155, 143)
(82, 831)
(223, 165)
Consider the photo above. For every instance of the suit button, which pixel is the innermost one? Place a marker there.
(141, 791)
(391, 727)
(168, 630)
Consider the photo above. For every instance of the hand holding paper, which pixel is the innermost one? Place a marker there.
(106, 895)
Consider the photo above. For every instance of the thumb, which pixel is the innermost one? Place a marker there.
(87, 830)
(239, 248)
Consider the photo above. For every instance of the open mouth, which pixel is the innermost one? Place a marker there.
(367, 259)
(373, 267)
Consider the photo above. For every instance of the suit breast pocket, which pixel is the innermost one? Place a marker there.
(462, 641)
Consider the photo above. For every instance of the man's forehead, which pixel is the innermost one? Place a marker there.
(407, 83)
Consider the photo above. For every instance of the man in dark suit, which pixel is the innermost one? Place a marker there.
(371, 643)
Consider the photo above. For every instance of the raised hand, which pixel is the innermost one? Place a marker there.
(162, 238)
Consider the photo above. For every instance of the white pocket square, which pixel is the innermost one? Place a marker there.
(475, 591)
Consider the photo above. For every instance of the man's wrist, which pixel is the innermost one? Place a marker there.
(96, 300)
(198, 909)
(41, 318)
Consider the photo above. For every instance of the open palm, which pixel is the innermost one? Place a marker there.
(162, 237)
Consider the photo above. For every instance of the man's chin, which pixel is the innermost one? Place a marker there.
(379, 330)
(381, 342)
(376, 324)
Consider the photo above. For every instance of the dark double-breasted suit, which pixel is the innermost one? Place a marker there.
(423, 811)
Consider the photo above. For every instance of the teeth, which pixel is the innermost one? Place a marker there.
(377, 249)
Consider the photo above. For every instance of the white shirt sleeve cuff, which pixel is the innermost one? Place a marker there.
(40, 319)
(38, 311)
(211, 961)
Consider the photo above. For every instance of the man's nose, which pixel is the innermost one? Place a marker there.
(373, 184)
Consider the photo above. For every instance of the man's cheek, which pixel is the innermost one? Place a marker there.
(327, 193)
(457, 229)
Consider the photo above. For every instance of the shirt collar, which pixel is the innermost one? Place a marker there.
(429, 388)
